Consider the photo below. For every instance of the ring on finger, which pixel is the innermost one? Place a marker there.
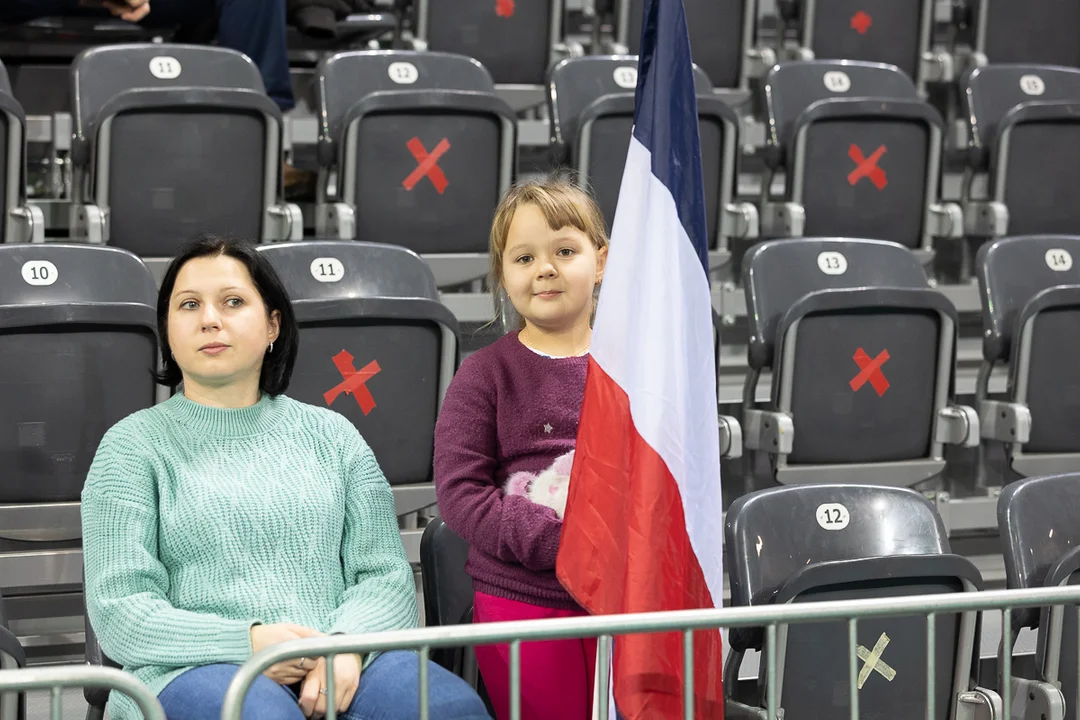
(322, 691)
(300, 663)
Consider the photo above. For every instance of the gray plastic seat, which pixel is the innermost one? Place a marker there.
(77, 349)
(592, 110)
(844, 542)
(377, 346)
(1039, 525)
(1038, 32)
(1030, 289)
(173, 140)
(516, 40)
(860, 153)
(862, 352)
(22, 222)
(721, 32)
(422, 149)
(1025, 139)
(877, 31)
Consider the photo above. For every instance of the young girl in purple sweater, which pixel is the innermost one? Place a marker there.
(505, 438)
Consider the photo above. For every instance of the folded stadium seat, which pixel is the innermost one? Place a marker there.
(860, 154)
(721, 35)
(845, 542)
(1039, 525)
(377, 346)
(172, 140)
(448, 594)
(876, 31)
(12, 656)
(592, 117)
(1024, 149)
(420, 149)
(862, 354)
(1030, 290)
(77, 349)
(22, 222)
(1030, 32)
(96, 697)
(516, 40)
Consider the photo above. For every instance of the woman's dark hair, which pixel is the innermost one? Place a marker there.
(277, 366)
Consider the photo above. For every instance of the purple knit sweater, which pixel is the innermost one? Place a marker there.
(507, 410)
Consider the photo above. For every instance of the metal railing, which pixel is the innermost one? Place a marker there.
(607, 627)
(57, 678)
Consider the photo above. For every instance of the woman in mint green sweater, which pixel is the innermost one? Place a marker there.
(231, 518)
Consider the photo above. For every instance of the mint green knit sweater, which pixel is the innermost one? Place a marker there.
(200, 522)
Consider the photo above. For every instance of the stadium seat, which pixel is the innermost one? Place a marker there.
(96, 697)
(592, 117)
(862, 352)
(376, 346)
(844, 542)
(12, 656)
(1039, 525)
(860, 154)
(173, 140)
(516, 40)
(77, 349)
(721, 34)
(1030, 32)
(876, 31)
(422, 150)
(22, 222)
(1025, 142)
(1030, 290)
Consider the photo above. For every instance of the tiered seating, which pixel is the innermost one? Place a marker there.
(22, 222)
(862, 352)
(592, 115)
(422, 149)
(860, 154)
(172, 140)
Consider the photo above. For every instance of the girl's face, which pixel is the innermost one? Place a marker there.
(548, 274)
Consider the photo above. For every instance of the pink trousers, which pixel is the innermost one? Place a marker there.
(556, 675)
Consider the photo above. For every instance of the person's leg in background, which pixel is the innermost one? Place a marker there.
(556, 675)
(199, 693)
(390, 690)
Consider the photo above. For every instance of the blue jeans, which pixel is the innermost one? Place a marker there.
(254, 27)
(389, 690)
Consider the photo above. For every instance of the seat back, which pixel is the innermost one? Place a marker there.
(861, 350)
(720, 34)
(512, 38)
(77, 349)
(376, 344)
(597, 93)
(1039, 524)
(163, 132)
(424, 162)
(448, 591)
(1030, 288)
(990, 92)
(845, 542)
(1043, 32)
(861, 151)
(883, 31)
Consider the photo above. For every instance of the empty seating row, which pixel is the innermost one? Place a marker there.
(840, 542)
(415, 149)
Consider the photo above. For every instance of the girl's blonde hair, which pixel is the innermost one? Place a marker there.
(563, 204)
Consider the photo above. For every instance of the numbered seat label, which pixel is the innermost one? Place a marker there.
(626, 77)
(327, 269)
(39, 272)
(403, 73)
(1059, 260)
(833, 516)
(832, 263)
(164, 67)
(1032, 85)
(837, 81)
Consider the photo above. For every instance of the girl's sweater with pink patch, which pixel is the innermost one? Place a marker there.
(507, 410)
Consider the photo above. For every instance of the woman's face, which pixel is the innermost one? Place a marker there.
(218, 326)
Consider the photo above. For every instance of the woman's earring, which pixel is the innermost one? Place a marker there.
(271, 346)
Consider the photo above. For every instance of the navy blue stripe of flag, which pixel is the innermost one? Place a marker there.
(665, 115)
